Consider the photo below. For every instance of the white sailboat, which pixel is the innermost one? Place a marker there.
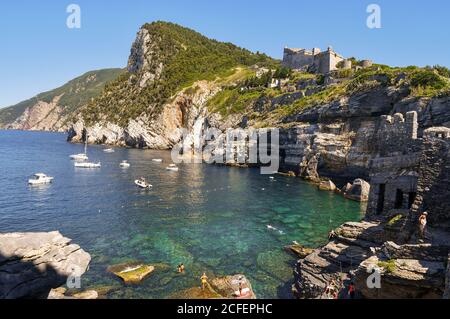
(81, 156)
(82, 164)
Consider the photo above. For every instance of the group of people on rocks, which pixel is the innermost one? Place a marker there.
(334, 290)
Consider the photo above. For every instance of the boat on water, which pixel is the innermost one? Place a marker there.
(108, 150)
(157, 160)
(81, 156)
(142, 183)
(172, 167)
(124, 164)
(88, 165)
(40, 179)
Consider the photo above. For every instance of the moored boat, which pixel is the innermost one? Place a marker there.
(172, 167)
(142, 183)
(124, 164)
(40, 179)
(87, 165)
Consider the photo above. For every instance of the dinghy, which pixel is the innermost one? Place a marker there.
(172, 167)
(125, 164)
(108, 150)
(157, 160)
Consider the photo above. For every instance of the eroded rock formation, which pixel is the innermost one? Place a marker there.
(33, 263)
(407, 178)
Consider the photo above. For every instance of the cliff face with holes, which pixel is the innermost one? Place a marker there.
(410, 175)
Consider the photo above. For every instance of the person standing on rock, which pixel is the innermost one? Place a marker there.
(204, 280)
(422, 224)
(351, 290)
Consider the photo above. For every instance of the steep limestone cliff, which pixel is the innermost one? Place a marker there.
(53, 110)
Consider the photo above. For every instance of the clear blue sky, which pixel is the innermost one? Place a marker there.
(38, 52)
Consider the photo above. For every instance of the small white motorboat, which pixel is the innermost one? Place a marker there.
(87, 165)
(40, 179)
(157, 160)
(172, 167)
(142, 183)
(108, 150)
(124, 164)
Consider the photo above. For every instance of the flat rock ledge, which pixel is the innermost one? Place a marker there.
(31, 264)
(131, 272)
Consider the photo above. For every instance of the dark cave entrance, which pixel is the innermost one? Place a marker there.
(381, 193)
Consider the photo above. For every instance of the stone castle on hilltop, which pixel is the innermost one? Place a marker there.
(317, 61)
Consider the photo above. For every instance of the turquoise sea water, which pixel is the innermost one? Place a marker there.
(210, 218)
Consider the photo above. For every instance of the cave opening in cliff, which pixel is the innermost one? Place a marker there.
(381, 193)
(398, 199)
(411, 199)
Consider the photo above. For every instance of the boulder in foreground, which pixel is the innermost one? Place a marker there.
(31, 264)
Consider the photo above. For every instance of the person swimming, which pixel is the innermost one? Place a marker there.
(180, 268)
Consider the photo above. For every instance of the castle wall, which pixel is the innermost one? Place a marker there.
(327, 61)
(322, 62)
(395, 172)
(434, 180)
(397, 134)
(297, 58)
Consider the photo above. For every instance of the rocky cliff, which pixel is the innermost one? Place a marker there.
(31, 264)
(54, 110)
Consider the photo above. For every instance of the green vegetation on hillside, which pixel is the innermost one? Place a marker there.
(74, 94)
(186, 57)
(421, 82)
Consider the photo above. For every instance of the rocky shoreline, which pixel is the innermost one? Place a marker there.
(31, 264)
(48, 266)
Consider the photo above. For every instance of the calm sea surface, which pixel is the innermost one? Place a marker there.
(210, 218)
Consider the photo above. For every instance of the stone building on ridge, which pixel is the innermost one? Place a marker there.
(312, 60)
